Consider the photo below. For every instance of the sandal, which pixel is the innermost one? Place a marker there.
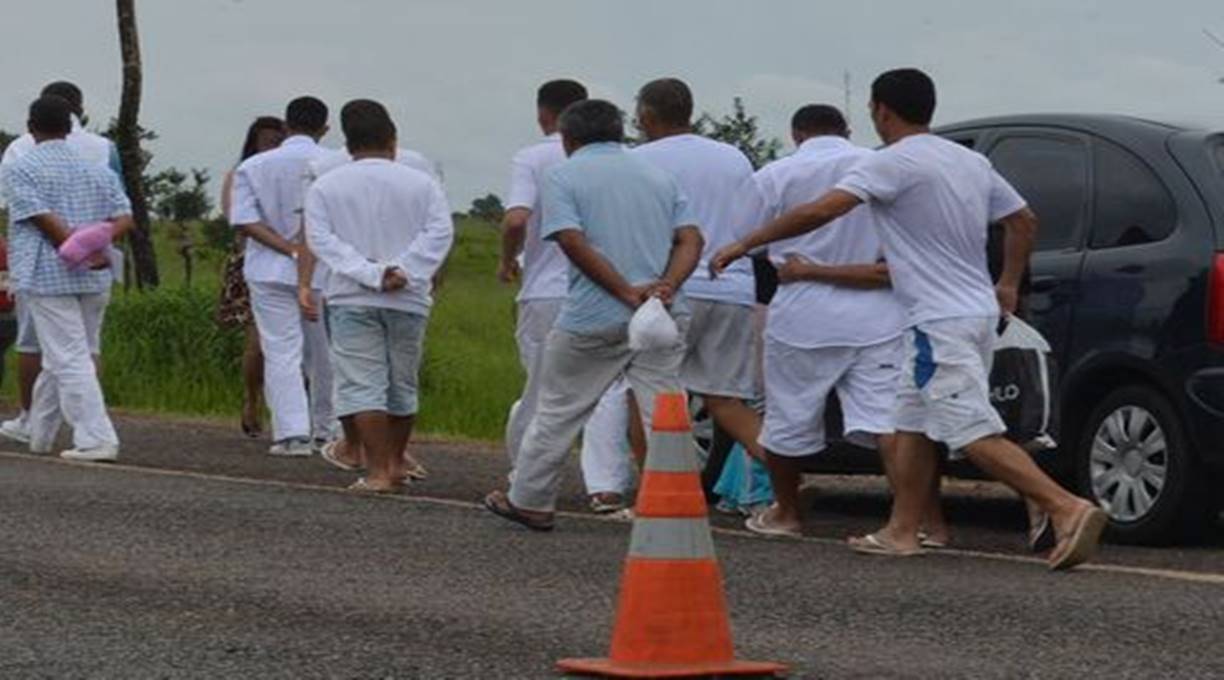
(1041, 534)
(498, 504)
(363, 485)
(607, 503)
(757, 524)
(926, 541)
(872, 544)
(1082, 543)
(328, 452)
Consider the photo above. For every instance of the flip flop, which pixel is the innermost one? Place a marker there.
(933, 543)
(872, 544)
(1082, 543)
(415, 472)
(758, 525)
(328, 452)
(498, 504)
(362, 485)
(1041, 534)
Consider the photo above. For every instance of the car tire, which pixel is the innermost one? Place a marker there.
(1134, 459)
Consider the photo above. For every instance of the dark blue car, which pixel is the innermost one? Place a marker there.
(1127, 284)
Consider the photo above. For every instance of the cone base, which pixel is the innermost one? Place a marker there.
(608, 668)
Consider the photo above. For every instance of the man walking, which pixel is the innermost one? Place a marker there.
(626, 230)
(92, 148)
(52, 191)
(382, 229)
(934, 200)
(833, 324)
(268, 199)
(606, 466)
(717, 180)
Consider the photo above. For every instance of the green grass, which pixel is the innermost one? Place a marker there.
(164, 353)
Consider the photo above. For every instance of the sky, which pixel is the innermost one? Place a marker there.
(459, 76)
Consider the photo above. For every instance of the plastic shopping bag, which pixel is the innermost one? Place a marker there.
(652, 327)
(743, 487)
(85, 242)
(1024, 386)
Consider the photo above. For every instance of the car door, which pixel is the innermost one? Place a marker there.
(1051, 168)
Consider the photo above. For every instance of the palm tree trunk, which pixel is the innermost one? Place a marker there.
(128, 142)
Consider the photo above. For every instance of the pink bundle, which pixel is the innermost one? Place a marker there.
(86, 242)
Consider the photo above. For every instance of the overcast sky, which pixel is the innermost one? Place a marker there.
(459, 76)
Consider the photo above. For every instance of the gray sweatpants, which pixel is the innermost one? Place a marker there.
(576, 371)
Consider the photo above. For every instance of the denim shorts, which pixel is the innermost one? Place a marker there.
(376, 356)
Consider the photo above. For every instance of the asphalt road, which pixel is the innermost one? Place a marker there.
(200, 557)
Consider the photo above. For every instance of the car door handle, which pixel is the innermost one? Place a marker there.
(1131, 269)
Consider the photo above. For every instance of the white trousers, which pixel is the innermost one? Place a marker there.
(574, 375)
(607, 466)
(295, 353)
(69, 328)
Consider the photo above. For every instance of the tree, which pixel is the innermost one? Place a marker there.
(127, 139)
(177, 201)
(488, 208)
(740, 130)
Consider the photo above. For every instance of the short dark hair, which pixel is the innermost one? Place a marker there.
(592, 121)
(670, 99)
(556, 95)
(366, 125)
(306, 114)
(51, 115)
(819, 119)
(907, 92)
(69, 93)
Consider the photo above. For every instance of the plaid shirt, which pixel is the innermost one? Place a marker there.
(53, 178)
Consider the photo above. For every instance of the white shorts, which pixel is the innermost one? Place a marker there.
(945, 390)
(798, 382)
(720, 350)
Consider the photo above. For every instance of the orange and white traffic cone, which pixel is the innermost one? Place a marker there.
(671, 620)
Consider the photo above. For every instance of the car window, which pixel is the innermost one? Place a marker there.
(1051, 173)
(1132, 206)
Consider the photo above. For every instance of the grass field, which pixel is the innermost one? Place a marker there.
(163, 352)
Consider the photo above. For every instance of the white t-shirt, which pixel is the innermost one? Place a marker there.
(270, 188)
(545, 267)
(717, 180)
(812, 314)
(371, 214)
(936, 200)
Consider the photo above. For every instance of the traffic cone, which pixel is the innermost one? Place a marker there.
(671, 620)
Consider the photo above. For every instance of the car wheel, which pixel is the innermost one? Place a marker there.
(1133, 459)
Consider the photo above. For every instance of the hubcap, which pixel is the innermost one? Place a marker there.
(1129, 463)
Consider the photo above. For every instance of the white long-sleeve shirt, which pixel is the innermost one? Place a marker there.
(371, 215)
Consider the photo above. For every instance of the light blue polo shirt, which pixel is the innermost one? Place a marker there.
(629, 210)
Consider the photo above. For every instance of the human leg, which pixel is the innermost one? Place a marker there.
(607, 467)
(321, 379)
(720, 365)
(575, 373)
(533, 322)
(252, 382)
(62, 324)
(279, 321)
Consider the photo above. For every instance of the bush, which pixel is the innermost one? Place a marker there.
(163, 351)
